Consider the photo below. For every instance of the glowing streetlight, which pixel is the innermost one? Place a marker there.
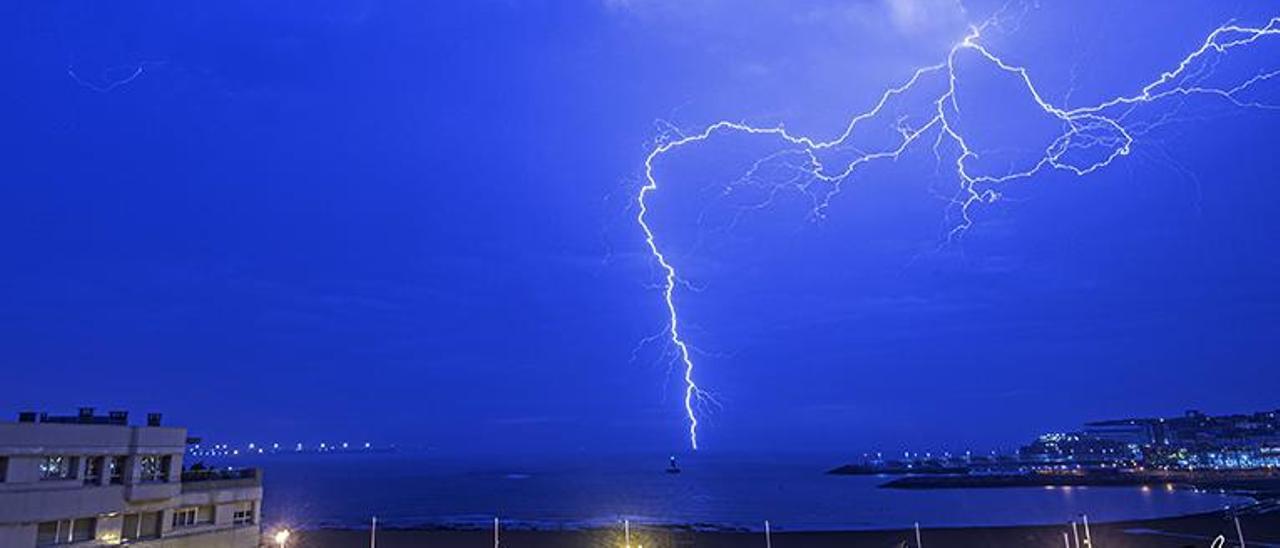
(282, 537)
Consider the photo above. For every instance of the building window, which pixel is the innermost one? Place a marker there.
(47, 533)
(243, 515)
(66, 531)
(115, 470)
(84, 529)
(194, 515)
(93, 470)
(141, 526)
(155, 468)
(207, 513)
(58, 467)
(4, 468)
(184, 517)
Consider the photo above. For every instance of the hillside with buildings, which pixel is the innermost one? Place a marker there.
(1240, 451)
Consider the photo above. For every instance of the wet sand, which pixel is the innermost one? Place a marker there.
(1261, 530)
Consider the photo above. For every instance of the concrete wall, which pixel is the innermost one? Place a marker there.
(66, 502)
(20, 438)
(142, 492)
(17, 535)
(23, 469)
(240, 537)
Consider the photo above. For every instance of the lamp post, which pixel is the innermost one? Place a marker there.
(1239, 531)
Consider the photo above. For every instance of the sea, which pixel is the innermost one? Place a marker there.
(712, 492)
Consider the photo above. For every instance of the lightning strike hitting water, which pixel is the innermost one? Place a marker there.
(1104, 130)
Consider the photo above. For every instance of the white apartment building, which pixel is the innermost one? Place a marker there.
(90, 480)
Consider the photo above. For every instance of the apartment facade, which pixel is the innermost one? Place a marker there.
(89, 480)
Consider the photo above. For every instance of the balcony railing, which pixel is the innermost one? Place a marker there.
(225, 478)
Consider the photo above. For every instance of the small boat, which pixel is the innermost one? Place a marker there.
(672, 468)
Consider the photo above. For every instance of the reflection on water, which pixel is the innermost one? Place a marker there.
(794, 494)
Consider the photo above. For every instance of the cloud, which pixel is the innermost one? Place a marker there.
(665, 9)
(905, 17)
(921, 21)
(620, 4)
(918, 16)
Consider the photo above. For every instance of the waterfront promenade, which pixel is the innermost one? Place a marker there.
(1260, 529)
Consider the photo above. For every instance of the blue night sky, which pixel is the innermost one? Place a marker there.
(414, 222)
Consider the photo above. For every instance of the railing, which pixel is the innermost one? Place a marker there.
(226, 478)
(215, 474)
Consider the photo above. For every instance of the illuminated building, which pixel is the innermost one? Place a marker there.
(1079, 448)
(1194, 440)
(94, 480)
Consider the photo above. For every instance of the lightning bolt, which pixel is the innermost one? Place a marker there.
(1105, 127)
(111, 83)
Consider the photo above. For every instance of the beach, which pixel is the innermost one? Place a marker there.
(1198, 530)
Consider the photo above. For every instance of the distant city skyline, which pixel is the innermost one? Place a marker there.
(415, 224)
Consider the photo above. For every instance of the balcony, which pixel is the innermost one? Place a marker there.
(220, 479)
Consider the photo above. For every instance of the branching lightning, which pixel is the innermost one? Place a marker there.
(1092, 137)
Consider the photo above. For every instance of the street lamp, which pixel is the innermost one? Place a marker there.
(282, 537)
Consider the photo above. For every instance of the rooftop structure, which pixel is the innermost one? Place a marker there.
(90, 479)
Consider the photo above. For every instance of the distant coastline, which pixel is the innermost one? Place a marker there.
(1262, 483)
(1237, 454)
(1258, 484)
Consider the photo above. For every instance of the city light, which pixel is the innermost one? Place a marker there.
(282, 536)
(253, 448)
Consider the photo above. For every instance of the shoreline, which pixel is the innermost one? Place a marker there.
(1259, 503)
(1256, 506)
(1260, 523)
(1255, 484)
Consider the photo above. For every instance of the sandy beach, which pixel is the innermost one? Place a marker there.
(1261, 530)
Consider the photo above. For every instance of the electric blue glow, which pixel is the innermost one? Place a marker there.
(1103, 126)
(399, 209)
